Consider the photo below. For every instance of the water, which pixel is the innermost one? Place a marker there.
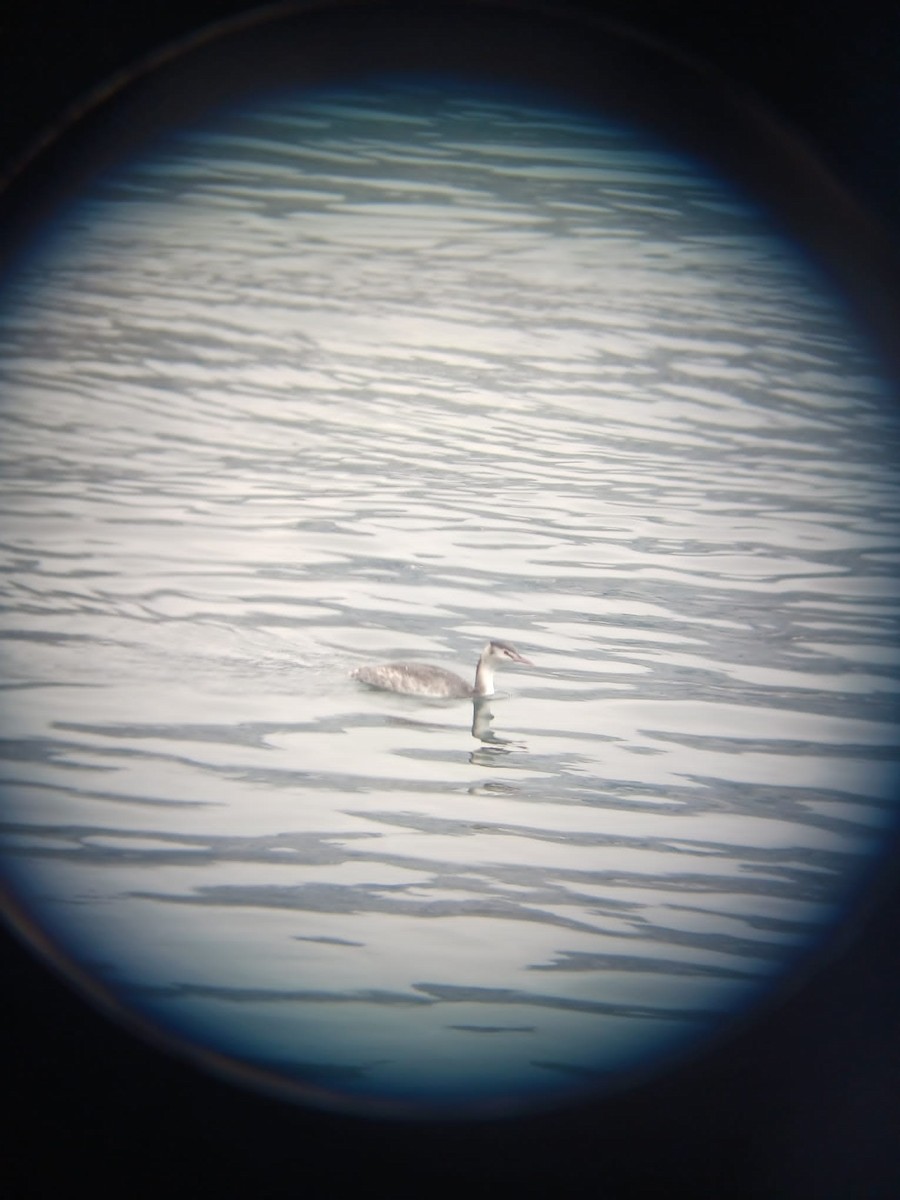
(376, 374)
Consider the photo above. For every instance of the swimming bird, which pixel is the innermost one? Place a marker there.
(418, 679)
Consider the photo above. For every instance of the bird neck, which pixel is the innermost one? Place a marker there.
(484, 678)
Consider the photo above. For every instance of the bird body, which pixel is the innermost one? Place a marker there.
(419, 679)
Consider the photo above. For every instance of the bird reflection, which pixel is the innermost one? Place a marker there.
(482, 716)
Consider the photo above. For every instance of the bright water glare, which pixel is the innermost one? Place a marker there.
(376, 374)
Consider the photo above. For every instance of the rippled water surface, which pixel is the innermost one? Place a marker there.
(377, 374)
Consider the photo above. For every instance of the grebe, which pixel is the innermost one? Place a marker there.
(416, 679)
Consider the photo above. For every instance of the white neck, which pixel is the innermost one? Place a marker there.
(484, 678)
